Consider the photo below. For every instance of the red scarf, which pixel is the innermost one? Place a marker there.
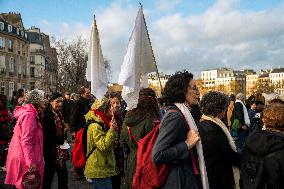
(58, 123)
(106, 119)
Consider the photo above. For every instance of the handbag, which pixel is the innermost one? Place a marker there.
(62, 155)
(31, 180)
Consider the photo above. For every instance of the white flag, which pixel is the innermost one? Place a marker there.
(138, 62)
(96, 71)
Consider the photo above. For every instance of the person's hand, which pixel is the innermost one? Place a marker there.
(32, 168)
(113, 124)
(192, 138)
(66, 125)
(244, 127)
(73, 135)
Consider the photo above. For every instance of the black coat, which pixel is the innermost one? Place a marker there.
(271, 145)
(66, 109)
(50, 140)
(170, 148)
(77, 118)
(218, 155)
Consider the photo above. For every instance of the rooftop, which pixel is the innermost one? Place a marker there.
(278, 70)
(13, 18)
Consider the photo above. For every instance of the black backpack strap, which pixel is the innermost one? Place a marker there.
(93, 149)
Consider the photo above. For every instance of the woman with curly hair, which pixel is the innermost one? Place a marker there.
(178, 143)
(267, 145)
(139, 121)
(220, 153)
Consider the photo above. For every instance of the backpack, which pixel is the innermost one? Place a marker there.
(79, 156)
(252, 171)
(149, 175)
(156, 174)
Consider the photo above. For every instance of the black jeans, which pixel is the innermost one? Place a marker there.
(115, 181)
(49, 170)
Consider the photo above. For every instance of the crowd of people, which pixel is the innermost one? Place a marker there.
(214, 142)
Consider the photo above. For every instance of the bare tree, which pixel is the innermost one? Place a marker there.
(72, 63)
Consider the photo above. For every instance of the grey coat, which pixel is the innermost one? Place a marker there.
(170, 148)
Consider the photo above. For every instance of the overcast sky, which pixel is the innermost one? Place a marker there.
(185, 34)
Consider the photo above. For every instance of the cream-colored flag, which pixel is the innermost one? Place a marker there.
(138, 62)
(96, 70)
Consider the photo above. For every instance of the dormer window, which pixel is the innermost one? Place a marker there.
(18, 31)
(1, 26)
(10, 28)
(22, 33)
(26, 35)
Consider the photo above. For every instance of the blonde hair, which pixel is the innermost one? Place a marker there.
(273, 117)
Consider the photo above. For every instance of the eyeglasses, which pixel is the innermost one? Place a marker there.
(194, 88)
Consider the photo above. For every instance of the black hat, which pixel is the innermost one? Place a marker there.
(54, 95)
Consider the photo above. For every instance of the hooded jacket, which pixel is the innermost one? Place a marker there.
(264, 143)
(101, 163)
(26, 147)
(140, 126)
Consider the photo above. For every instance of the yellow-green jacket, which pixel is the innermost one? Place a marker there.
(101, 163)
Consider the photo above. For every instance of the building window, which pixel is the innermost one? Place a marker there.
(11, 88)
(10, 28)
(11, 65)
(32, 85)
(32, 72)
(10, 45)
(2, 87)
(18, 31)
(1, 26)
(2, 42)
(2, 64)
(20, 66)
(24, 70)
(32, 59)
(23, 49)
(22, 33)
(26, 35)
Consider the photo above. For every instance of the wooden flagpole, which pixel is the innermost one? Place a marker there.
(152, 51)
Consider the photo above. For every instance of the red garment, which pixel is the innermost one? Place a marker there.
(106, 119)
(4, 115)
(58, 123)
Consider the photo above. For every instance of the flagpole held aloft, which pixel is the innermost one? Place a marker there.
(138, 62)
(96, 71)
(157, 71)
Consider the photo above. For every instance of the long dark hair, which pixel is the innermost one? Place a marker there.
(147, 104)
(106, 104)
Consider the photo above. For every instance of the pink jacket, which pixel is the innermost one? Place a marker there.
(26, 146)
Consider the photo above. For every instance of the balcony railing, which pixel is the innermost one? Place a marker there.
(37, 51)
